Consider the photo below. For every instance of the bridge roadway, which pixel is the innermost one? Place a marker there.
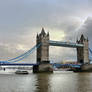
(17, 64)
(64, 44)
(29, 64)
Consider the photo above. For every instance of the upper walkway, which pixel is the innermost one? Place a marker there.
(65, 44)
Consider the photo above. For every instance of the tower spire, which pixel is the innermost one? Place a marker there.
(43, 31)
(48, 34)
(37, 35)
(82, 37)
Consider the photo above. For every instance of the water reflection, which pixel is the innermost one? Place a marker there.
(56, 82)
(64, 82)
(17, 83)
(84, 82)
(43, 84)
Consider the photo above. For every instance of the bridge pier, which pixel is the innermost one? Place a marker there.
(43, 68)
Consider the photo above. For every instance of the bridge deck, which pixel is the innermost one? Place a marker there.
(16, 64)
(29, 64)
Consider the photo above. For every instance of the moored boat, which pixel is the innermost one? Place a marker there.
(21, 72)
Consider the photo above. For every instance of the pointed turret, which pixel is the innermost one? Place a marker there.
(43, 32)
(82, 37)
(48, 34)
(37, 35)
(77, 40)
(87, 39)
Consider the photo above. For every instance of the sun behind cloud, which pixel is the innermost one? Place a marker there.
(57, 35)
(22, 47)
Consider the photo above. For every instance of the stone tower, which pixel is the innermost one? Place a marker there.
(43, 54)
(43, 50)
(83, 52)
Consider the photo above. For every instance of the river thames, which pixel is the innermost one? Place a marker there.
(56, 82)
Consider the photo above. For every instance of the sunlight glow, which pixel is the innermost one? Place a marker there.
(22, 47)
(57, 35)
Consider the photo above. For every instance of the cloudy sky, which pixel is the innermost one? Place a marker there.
(21, 20)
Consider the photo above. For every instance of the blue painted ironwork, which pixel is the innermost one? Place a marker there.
(28, 53)
(65, 44)
(17, 64)
(21, 57)
(29, 64)
(68, 65)
(90, 57)
(90, 50)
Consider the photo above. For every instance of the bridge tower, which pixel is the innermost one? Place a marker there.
(43, 53)
(43, 50)
(83, 52)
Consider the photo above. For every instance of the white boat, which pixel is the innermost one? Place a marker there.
(21, 72)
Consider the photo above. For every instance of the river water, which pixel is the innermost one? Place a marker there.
(56, 82)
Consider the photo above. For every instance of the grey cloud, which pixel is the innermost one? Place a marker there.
(86, 29)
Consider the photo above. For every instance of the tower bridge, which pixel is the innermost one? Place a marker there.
(82, 48)
(42, 46)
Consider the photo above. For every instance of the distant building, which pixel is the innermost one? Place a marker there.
(69, 62)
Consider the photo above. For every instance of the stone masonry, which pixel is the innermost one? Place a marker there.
(43, 53)
(83, 52)
(43, 50)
